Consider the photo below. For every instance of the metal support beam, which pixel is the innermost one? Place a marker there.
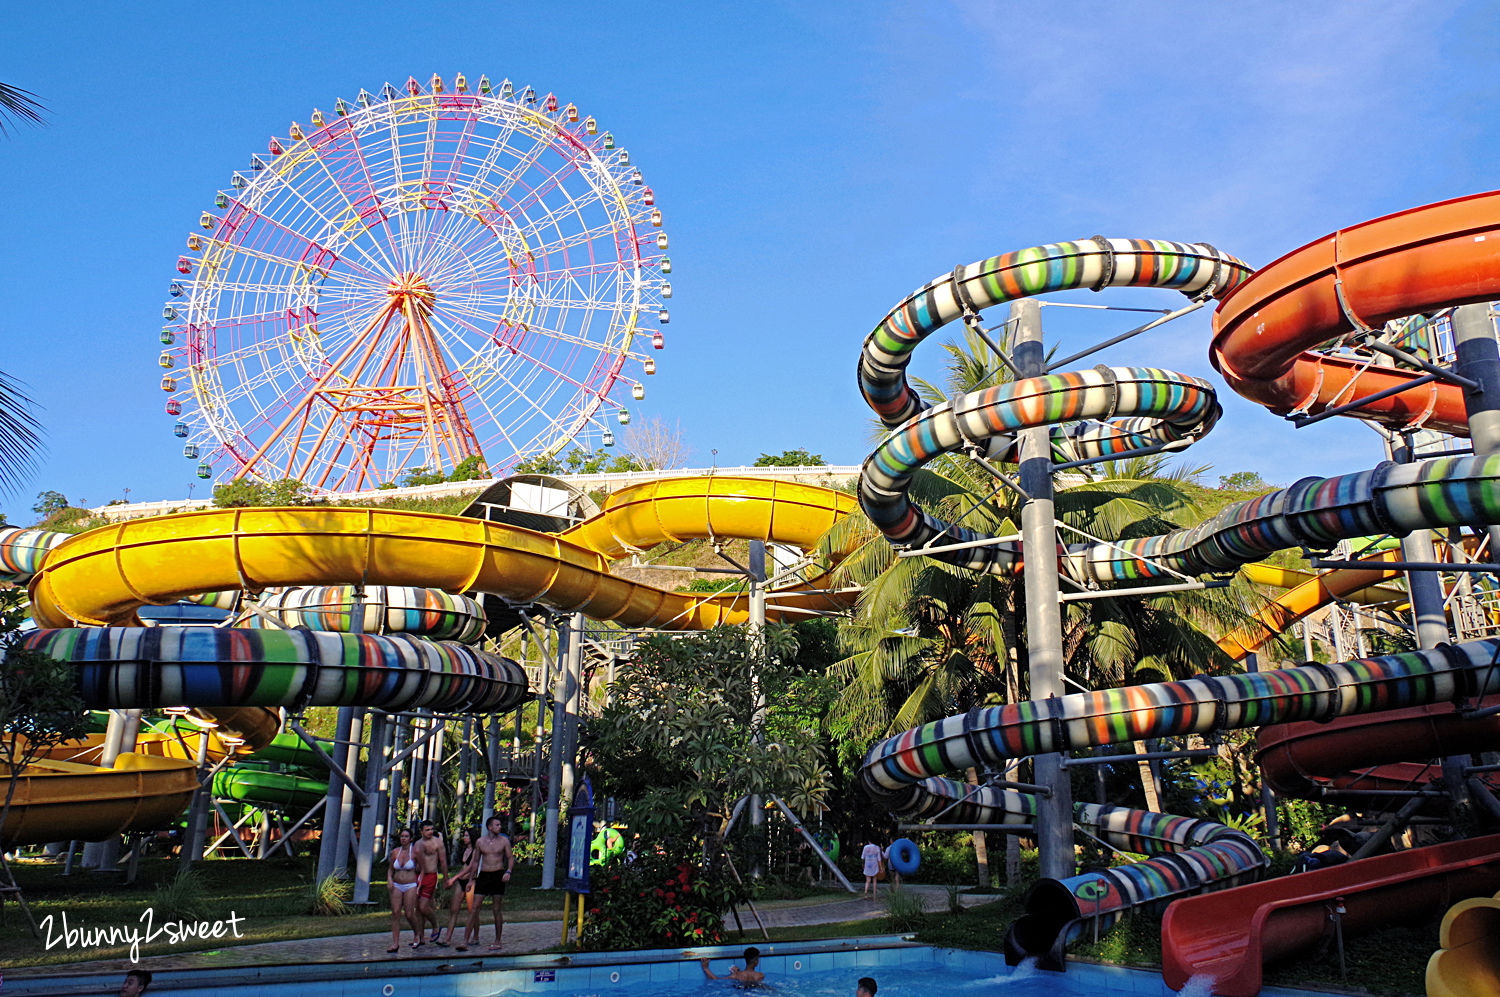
(1043, 600)
(1300, 421)
(757, 578)
(1141, 590)
(1456, 567)
(1161, 320)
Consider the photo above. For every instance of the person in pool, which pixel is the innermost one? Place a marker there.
(865, 987)
(135, 983)
(748, 977)
(401, 881)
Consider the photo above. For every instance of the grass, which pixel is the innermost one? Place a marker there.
(271, 898)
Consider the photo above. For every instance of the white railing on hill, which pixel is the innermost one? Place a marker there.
(820, 474)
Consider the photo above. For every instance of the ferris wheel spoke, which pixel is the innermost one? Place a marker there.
(541, 141)
(278, 182)
(516, 349)
(322, 256)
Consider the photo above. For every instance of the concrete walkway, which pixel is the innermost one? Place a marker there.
(521, 937)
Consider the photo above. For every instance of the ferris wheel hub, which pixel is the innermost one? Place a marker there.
(411, 289)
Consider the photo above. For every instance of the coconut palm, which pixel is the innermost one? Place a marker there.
(18, 105)
(19, 439)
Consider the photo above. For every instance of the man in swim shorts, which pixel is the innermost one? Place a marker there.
(432, 858)
(496, 863)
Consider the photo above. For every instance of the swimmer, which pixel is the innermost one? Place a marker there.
(749, 976)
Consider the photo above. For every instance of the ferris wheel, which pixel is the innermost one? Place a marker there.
(425, 276)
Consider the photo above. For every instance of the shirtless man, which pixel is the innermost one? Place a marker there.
(749, 976)
(496, 863)
(432, 858)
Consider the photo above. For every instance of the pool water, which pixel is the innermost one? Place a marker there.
(802, 969)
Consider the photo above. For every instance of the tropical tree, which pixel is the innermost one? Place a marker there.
(18, 105)
(697, 721)
(19, 432)
(790, 458)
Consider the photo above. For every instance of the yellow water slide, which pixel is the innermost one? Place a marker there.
(1467, 962)
(102, 577)
(66, 794)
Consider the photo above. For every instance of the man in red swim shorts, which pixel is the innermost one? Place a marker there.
(432, 859)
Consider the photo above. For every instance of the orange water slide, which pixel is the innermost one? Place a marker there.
(1426, 258)
(1307, 596)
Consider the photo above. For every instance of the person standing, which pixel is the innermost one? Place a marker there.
(891, 875)
(401, 883)
(871, 855)
(432, 858)
(461, 882)
(865, 987)
(496, 862)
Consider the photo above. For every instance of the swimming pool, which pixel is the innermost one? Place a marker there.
(802, 969)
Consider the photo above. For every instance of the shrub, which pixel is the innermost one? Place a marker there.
(903, 910)
(655, 902)
(182, 897)
(329, 896)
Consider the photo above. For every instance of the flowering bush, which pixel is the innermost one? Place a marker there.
(656, 902)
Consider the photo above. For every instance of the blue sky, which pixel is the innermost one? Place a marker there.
(815, 163)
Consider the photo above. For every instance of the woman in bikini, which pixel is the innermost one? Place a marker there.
(461, 882)
(401, 879)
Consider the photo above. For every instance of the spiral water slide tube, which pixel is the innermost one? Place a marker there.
(905, 772)
(100, 578)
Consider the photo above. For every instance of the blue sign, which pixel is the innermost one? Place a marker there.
(580, 833)
(544, 976)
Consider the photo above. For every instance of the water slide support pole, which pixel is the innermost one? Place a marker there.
(1267, 795)
(330, 850)
(572, 706)
(554, 765)
(192, 844)
(1043, 609)
(372, 820)
(537, 739)
(396, 772)
(1428, 612)
(757, 624)
(119, 737)
(1478, 359)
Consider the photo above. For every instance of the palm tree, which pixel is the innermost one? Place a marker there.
(19, 439)
(18, 105)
